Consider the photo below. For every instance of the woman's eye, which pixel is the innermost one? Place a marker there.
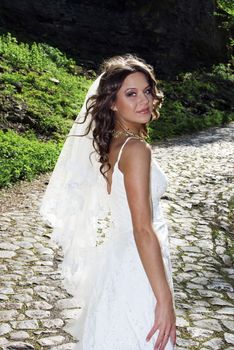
(148, 91)
(131, 94)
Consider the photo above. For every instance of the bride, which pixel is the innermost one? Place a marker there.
(103, 202)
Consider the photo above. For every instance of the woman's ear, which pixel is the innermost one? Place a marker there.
(114, 108)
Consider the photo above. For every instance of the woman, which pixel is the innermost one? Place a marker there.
(124, 283)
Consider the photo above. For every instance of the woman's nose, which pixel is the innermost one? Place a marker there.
(143, 98)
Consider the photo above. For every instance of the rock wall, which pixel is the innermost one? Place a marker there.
(172, 35)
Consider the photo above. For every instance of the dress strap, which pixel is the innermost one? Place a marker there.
(121, 149)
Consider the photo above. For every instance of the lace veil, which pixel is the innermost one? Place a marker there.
(75, 205)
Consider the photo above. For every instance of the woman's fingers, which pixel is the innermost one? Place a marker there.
(165, 339)
(159, 339)
(165, 326)
(164, 336)
(173, 334)
(151, 332)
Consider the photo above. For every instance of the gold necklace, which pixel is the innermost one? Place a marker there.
(117, 133)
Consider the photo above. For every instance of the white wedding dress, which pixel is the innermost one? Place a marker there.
(120, 310)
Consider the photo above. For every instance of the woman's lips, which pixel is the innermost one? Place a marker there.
(144, 111)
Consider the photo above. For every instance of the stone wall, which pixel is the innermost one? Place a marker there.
(172, 35)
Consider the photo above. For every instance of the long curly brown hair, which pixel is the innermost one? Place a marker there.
(102, 124)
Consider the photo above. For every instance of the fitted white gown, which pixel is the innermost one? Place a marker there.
(121, 307)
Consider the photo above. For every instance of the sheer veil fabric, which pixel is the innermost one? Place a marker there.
(75, 205)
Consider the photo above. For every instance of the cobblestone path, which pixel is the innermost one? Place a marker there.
(34, 309)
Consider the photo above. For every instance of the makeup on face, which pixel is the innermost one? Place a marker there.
(134, 101)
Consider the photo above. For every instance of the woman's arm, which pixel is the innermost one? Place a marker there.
(135, 164)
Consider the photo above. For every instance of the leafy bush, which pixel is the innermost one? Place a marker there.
(194, 102)
(23, 159)
(225, 15)
(223, 71)
(46, 81)
(39, 57)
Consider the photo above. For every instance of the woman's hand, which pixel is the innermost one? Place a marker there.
(165, 323)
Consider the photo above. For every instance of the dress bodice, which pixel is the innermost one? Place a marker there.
(121, 215)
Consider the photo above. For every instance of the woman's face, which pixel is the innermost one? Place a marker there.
(134, 101)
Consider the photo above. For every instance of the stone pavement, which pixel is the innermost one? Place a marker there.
(34, 308)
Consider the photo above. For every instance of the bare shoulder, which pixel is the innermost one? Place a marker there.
(136, 153)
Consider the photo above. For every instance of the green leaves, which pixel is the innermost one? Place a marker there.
(42, 77)
(23, 159)
(194, 102)
(41, 92)
(39, 57)
(227, 6)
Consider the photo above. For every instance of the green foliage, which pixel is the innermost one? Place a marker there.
(227, 6)
(42, 77)
(223, 71)
(225, 13)
(43, 90)
(23, 159)
(194, 102)
(50, 90)
(39, 57)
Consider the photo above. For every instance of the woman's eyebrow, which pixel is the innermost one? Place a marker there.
(134, 88)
